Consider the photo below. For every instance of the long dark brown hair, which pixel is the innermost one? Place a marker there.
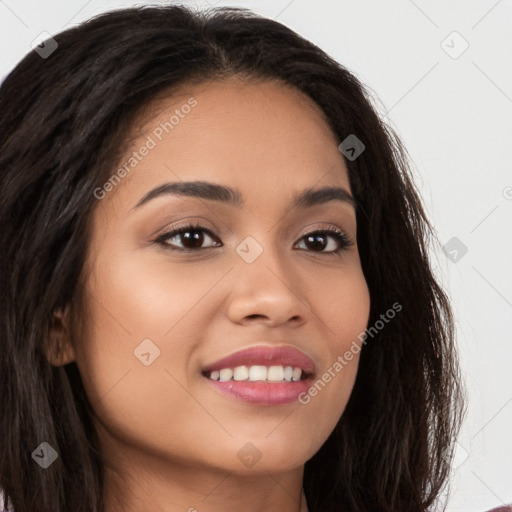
(65, 120)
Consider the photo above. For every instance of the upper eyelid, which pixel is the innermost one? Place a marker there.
(174, 231)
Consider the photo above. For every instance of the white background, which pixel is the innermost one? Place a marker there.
(455, 117)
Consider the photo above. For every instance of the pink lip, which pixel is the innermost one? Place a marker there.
(259, 392)
(266, 356)
(263, 393)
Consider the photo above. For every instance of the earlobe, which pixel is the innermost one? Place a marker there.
(59, 346)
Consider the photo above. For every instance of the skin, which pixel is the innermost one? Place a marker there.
(170, 442)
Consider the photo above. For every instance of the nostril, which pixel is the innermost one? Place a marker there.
(255, 316)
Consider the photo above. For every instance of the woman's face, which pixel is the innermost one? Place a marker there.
(162, 310)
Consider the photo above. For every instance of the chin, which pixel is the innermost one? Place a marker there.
(270, 455)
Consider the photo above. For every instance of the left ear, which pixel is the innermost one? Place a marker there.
(59, 347)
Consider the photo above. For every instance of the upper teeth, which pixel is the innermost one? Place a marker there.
(254, 373)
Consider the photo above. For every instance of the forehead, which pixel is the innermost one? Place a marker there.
(264, 138)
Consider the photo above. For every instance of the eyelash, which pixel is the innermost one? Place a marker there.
(340, 236)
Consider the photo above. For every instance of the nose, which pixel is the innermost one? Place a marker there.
(267, 292)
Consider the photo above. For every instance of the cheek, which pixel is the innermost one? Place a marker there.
(127, 304)
(151, 296)
(343, 312)
(144, 313)
(137, 315)
(341, 302)
(138, 307)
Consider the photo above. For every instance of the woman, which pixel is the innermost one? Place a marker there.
(216, 290)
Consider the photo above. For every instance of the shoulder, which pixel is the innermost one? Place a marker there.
(504, 508)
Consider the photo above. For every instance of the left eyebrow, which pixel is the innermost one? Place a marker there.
(215, 192)
(310, 197)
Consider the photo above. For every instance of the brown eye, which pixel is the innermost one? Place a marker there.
(332, 239)
(189, 238)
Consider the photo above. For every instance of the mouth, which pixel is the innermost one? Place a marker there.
(262, 375)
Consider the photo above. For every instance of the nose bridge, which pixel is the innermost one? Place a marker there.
(264, 261)
(266, 284)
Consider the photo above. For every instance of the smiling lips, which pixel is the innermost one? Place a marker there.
(262, 375)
